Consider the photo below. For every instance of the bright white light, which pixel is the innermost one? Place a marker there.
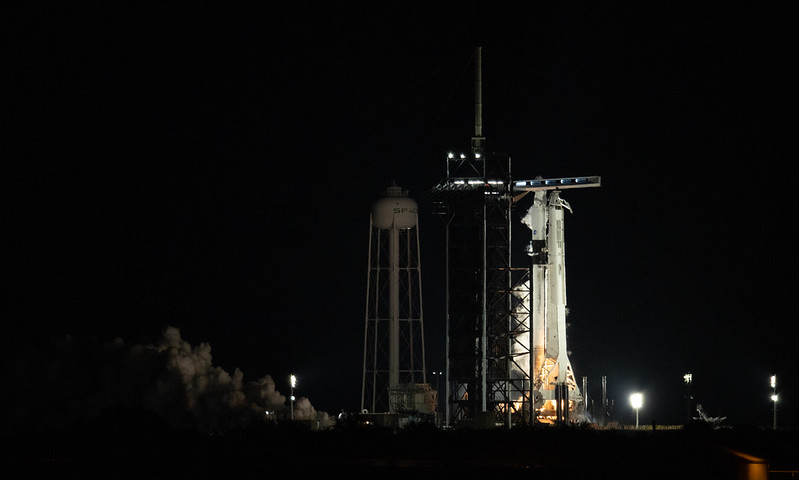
(450, 155)
(476, 154)
(293, 381)
(773, 381)
(636, 400)
(774, 398)
(688, 378)
(463, 155)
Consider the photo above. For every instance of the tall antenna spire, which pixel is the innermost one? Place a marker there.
(478, 139)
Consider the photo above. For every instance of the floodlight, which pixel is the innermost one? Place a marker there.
(636, 400)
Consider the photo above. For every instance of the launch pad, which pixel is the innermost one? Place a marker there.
(507, 358)
(506, 324)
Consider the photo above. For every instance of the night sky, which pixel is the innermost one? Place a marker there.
(212, 169)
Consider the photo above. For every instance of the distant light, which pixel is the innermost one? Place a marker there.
(774, 398)
(293, 398)
(688, 378)
(476, 154)
(475, 182)
(450, 155)
(636, 400)
(293, 379)
(463, 156)
(773, 381)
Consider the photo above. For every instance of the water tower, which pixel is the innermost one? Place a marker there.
(394, 378)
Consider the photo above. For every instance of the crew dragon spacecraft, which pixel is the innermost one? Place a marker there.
(555, 391)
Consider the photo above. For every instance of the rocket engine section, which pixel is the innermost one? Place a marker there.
(555, 390)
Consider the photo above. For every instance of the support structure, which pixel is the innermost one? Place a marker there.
(486, 299)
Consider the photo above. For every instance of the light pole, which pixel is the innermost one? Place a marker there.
(774, 399)
(438, 376)
(636, 400)
(688, 378)
(293, 379)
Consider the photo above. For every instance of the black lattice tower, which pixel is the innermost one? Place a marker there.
(487, 300)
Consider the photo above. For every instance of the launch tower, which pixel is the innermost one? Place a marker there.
(494, 310)
(486, 313)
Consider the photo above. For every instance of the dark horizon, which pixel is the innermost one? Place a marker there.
(212, 170)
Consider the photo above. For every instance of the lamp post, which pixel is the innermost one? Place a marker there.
(688, 378)
(774, 399)
(438, 376)
(293, 379)
(636, 400)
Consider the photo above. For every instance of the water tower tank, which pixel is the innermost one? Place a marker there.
(394, 210)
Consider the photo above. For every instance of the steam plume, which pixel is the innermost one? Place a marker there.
(76, 380)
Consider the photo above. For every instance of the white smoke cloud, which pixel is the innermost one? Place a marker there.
(303, 410)
(75, 380)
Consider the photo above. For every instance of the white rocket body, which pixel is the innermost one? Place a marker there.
(551, 364)
(556, 285)
(536, 221)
